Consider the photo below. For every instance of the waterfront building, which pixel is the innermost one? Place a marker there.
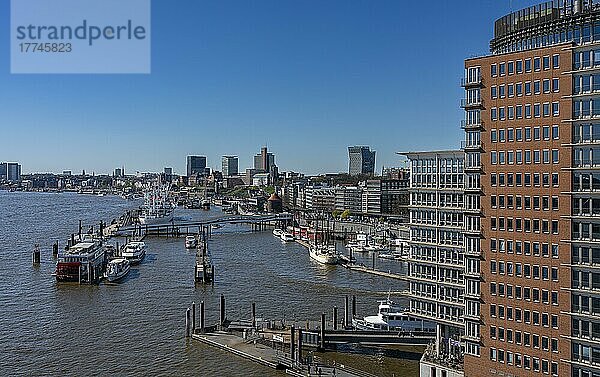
(3, 175)
(261, 179)
(531, 144)
(320, 199)
(13, 172)
(349, 198)
(229, 166)
(196, 165)
(436, 260)
(67, 173)
(119, 172)
(371, 197)
(361, 160)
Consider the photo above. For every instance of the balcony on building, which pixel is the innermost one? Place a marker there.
(471, 103)
(471, 125)
(472, 81)
(471, 145)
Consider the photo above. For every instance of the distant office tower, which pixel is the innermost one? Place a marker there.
(361, 160)
(2, 171)
(13, 172)
(67, 173)
(264, 161)
(196, 165)
(229, 165)
(119, 172)
(168, 171)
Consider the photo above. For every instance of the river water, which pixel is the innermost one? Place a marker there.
(137, 327)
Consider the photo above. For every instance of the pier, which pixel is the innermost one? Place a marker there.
(294, 346)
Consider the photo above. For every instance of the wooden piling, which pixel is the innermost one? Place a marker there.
(254, 315)
(335, 317)
(322, 333)
(55, 249)
(36, 254)
(299, 349)
(222, 311)
(202, 316)
(347, 312)
(353, 306)
(187, 323)
(292, 342)
(193, 317)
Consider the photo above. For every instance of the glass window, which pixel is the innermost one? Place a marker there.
(527, 65)
(494, 69)
(555, 85)
(555, 110)
(519, 64)
(555, 61)
(546, 62)
(519, 89)
(502, 69)
(536, 64)
(528, 88)
(511, 68)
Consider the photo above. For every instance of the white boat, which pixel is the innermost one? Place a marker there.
(324, 254)
(117, 269)
(375, 247)
(356, 247)
(156, 209)
(287, 237)
(277, 232)
(134, 252)
(392, 317)
(191, 242)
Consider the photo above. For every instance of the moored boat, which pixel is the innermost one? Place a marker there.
(117, 269)
(81, 262)
(392, 317)
(286, 237)
(277, 232)
(324, 254)
(191, 242)
(134, 251)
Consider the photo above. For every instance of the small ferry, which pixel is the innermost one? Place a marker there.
(81, 262)
(191, 242)
(135, 252)
(324, 254)
(287, 237)
(117, 269)
(392, 317)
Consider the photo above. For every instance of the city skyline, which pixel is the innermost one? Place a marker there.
(316, 89)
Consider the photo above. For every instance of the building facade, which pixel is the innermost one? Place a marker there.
(196, 165)
(532, 158)
(361, 160)
(229, 166)
(13, 172)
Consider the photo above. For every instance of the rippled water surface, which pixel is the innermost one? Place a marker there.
(136, 327)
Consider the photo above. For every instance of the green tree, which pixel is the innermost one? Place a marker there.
(345, 214)
(336, 213)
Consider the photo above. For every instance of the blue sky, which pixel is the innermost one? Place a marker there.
(307, 78)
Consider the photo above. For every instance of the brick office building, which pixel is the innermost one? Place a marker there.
(532, 158)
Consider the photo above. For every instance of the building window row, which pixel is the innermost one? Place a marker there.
(588, 132)
(525, 88)
(524, 316)
(585, 279)
(524, 225)
(585, 353)
(524, 293)
(585, 231)
(520, 134)
(572, 33)
(523, 179)
(585, 255)
(525, 66)
(586, 107)
(524, 361)
(585, 305)
(523, 270)
(544, 156)
(536, 110)
(586, 59)
(586, 83)
(530, 340)
(526, 202)
(523, 247)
